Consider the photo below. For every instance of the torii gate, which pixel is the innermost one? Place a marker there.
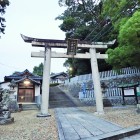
(47, 55)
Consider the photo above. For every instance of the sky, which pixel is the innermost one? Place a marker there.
(33, 18)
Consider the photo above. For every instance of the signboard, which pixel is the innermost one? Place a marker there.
(72, 46)
(129, 91)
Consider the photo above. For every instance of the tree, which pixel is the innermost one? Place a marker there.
(38, 70)
(77, 25)
(103, 21)
(128, 51)
(3, 5)
(79, 20)
(118, 12)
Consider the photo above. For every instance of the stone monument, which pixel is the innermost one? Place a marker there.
(13, 105)
(106, 101)
(5, 114)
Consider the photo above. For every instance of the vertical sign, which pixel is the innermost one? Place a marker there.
(72, 46)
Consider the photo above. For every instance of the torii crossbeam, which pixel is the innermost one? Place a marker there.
(47, 55)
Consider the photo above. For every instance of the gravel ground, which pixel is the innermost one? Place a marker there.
(123, 116)
(29, 127)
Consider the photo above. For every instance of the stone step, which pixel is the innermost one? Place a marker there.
(28, 106)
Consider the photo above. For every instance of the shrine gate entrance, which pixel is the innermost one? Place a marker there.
(71, 46)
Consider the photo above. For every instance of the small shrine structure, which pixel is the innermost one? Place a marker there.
(27, 86)
(129, 90)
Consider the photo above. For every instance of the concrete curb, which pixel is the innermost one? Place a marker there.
(116, 135)
(60, 130)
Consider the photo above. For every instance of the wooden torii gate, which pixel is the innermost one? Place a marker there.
(47, 55)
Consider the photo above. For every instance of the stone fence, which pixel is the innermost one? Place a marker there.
(112, 79)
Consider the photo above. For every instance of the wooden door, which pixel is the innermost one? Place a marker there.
(26, 95)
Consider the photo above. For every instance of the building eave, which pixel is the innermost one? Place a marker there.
(24, 78)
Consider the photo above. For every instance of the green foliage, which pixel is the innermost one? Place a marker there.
(38, 70)
(54, 84)
(3, 6)
(79, 66)
(78, 21)
(129, 31)
(79, 18)
(68, 24)
(128, 52)
(104, 21)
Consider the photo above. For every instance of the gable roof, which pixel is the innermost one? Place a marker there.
(59, 74)
(26, 77)
(25, 72)
(20, 75)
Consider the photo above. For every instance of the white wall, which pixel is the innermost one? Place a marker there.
(5, 85)
(37, 90)
(16, 90)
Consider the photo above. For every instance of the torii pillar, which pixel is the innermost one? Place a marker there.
(96, 81)
(45, 83)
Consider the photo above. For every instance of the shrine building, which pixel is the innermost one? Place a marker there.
(27, 86)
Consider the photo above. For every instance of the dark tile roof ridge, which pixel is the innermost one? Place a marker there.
(19, 74)
(57, 74)
(26, 77)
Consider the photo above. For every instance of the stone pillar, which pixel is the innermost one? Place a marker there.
(45, 83)
(96, 81)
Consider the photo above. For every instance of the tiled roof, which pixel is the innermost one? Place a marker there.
(58, 74)
(21, 75)
(26, 77)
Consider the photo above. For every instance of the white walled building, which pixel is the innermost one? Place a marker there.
(58, 77)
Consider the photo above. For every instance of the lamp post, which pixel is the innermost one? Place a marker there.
(12, 86)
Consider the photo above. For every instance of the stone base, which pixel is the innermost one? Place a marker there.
(106, 102)
(43, 115)
(138, 108)
(13, 106)
(6, 121)
(99, 113)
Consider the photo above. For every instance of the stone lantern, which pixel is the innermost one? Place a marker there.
(13, 105)
(106, 101)
(12, 86)
(5, 114)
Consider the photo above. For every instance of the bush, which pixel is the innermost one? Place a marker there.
(54, 84)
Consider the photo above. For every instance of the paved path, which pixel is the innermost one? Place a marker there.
(75, 124)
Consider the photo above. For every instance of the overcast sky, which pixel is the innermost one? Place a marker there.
(33, 18)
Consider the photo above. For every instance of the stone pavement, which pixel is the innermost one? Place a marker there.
(134, 137)
(75, 124)
(58, 99)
